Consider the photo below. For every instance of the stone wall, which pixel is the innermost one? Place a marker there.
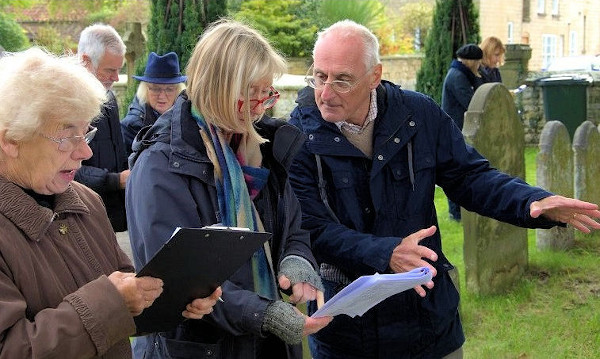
(530, 104)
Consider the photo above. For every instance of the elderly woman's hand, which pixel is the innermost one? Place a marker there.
(138, 293)
(201, 306)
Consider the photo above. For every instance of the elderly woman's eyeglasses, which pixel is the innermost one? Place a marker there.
(68, 144)
(339, 86)
(157, 90)
(267, 102)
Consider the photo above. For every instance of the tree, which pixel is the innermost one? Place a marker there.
(415, 20)
(278, 21)
(12, 35)
(175, 25)
(455, 23)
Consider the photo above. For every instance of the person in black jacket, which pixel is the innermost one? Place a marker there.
(459, 87)
(101, 50)
(366, 178)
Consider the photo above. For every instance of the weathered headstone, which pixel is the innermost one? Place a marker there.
(135, 41)
(555, 174)
(495, 253)
(586, 149)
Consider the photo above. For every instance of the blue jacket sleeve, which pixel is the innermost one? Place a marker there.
(132, 123)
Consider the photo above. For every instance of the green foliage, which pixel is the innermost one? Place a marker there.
(49, 38)
(368, 13)
(416, 16)
(455, 23)
(12, 35)
(278, 22)
(178, 27)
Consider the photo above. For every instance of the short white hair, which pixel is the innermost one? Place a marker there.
(38, 88)
(348, 28)
(95, 40)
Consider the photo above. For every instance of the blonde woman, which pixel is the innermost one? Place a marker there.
(215, 158)
(493, 58)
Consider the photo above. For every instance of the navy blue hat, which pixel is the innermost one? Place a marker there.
(162, 69)
(469, 52)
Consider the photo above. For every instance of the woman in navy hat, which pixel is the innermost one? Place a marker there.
(459, 87)
(161, 83)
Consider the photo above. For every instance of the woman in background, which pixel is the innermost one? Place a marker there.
(156, 93)
(493, 58)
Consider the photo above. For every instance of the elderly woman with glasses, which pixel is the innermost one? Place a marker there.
(159, 86)
(67, 288)
(216, 158)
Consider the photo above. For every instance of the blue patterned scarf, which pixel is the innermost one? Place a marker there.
(237, 183)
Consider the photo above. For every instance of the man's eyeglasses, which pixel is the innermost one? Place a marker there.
(267, 102)
(68, 144)
(156, 90)
(339, 86)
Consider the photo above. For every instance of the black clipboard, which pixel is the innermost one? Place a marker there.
(192, 264)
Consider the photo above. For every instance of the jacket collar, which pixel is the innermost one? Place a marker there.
(27, 215)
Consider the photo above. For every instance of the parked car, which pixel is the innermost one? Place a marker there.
(575, 63)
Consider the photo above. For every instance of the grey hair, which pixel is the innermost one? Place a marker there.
(95, 40)
(348, 28)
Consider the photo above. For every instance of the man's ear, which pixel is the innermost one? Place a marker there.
(9, 147)
(376, 76)
(87, 62)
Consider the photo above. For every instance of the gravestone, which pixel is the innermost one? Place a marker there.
(135, 41)
(586, 150)
(495, 253)
(555, 174)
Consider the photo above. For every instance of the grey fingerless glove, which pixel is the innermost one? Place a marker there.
(298, 270)
(283, 321)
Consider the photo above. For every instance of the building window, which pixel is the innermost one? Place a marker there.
(541, 6)
(573, 43)
(509, 35)
(555, 7)
(549, 49)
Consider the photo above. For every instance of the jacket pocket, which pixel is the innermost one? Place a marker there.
(179, 349)
(410, 186)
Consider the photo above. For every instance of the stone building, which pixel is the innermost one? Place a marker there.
(552, 28)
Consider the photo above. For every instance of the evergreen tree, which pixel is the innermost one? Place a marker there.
(455, 23)
(176, 25)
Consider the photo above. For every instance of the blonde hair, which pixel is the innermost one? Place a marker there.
(227, 60)
(489, 46)
(142, 91)
(38, 87)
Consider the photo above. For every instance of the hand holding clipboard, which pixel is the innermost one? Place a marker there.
(192, 264)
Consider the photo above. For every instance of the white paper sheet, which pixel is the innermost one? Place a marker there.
(367, 291)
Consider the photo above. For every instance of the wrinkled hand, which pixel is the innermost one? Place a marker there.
(313, 325)
(301, 292)
(138, 293)
(201, 306)
(409, 255)
(579, 214)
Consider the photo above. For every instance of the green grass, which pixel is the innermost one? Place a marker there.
(552, 312)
